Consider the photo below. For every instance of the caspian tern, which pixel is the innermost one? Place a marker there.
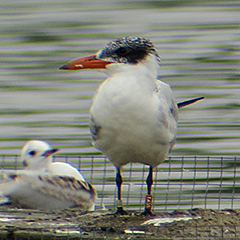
(133, 115)
(44, 184)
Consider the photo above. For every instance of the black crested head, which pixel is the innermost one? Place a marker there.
(128, 50)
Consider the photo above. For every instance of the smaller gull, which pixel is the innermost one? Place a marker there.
(44, 184)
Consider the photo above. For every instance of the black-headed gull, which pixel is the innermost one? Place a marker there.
(133, 115)
(44, 184)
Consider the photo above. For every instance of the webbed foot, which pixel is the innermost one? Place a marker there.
(147, 212)
(120, 211)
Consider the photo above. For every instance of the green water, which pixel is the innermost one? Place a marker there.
(199, 44)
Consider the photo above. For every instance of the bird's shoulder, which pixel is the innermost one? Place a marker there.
(163, 90)
(166, 97)
(64, 169)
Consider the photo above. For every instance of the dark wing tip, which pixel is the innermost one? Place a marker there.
(188, 102)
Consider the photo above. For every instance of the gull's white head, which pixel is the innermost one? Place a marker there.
(37, 154)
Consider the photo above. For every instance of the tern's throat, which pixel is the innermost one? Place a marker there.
(143, 73)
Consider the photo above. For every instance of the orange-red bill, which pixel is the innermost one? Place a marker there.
(84, 63)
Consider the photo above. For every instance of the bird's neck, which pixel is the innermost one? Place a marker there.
(41, 164)
(145, 72)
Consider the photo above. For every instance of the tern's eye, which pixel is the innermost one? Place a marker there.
(121, 51)
(32, 153)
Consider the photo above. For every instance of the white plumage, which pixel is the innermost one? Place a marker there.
(44, 184)
(133, 115)
(136, 113)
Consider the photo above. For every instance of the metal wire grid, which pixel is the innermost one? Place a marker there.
(179, 183)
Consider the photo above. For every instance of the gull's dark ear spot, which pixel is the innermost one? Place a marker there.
(32, 153)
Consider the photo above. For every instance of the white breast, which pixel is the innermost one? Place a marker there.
(133, 113)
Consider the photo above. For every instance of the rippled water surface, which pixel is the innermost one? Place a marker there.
(199, 44)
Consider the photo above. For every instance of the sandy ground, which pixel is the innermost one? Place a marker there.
(71, 224)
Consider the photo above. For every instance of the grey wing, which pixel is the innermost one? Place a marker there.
(169, 111)
(66, 188)
(165, 93)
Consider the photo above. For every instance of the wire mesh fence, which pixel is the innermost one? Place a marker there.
(179, 183)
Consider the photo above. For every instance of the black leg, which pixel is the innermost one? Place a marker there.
(149, 180)
(148, 201)
(119, 181)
